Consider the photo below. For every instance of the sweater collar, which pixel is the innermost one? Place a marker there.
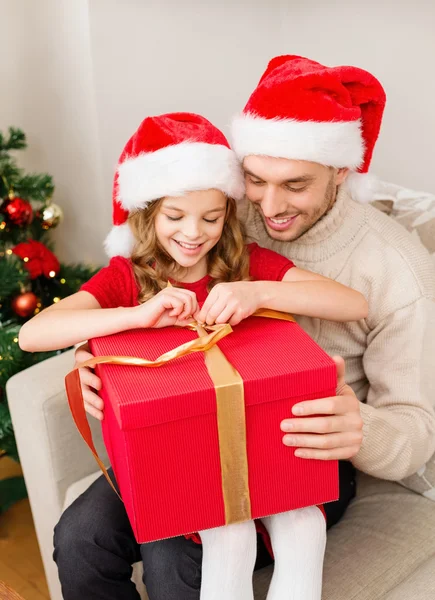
(332, 233)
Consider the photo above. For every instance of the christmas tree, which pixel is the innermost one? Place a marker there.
(31, 277)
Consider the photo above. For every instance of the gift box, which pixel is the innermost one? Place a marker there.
(196, 442)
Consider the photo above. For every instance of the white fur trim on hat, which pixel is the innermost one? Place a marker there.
(335, 143)
(362, 187)
(120, 241)
(175, 170)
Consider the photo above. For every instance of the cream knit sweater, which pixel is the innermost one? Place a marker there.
(390, 356)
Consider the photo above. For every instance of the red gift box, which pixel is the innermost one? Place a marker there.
(161, 428)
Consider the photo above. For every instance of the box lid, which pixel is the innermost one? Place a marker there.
(276, 360)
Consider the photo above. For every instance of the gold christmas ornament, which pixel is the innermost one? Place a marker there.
(51, 216)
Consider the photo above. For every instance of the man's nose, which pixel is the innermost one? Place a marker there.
(273, 202)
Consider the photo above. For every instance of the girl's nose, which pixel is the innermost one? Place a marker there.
(192, 229)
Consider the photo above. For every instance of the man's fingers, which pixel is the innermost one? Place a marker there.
(341, 372)
(335, 405)
(329, 424)
(335, 454)
(330, 441)
(88, 377)
(91, 398)
(81, 355)
(98, 414)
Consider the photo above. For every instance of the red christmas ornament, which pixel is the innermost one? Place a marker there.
(38, 259)
(25, 304)
(18, 211)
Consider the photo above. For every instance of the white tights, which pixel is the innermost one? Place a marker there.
(298, 540)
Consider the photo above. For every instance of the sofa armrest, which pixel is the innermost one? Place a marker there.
(52, 452)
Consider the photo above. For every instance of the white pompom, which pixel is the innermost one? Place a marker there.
(362, 187)
(120, 241)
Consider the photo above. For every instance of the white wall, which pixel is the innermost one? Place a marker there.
(125, 60)
(47, 90)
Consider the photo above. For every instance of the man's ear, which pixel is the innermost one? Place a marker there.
(341, 175)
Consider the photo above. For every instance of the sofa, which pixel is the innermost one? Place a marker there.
(383, 548)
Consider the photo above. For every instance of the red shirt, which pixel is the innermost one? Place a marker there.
(115, 285)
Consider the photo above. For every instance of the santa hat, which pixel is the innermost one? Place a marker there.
(169, 155)
(305, 111)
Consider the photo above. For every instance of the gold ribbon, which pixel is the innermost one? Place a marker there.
(230, 407)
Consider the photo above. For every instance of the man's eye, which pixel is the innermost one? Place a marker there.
(173, 218)
(210, 220)
(256, 181)
(295, 190)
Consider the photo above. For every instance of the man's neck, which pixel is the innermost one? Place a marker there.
(328, 235)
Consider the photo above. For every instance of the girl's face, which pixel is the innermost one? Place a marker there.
(189, 226)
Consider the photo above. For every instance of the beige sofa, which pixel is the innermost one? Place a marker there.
(383, 548)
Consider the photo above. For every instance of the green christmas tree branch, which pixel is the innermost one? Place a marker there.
(37, 189)
(16, 140)
(13, 276)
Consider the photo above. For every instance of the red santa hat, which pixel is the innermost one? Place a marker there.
(305, 111)
(169, 155)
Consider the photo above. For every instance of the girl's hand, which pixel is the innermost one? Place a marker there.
(171, 306)
(229, 303)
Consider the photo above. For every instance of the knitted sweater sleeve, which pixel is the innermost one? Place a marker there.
(398, 417)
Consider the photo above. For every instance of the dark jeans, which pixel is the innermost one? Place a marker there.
(94, 549)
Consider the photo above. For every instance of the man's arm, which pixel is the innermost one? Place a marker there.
(399, 417)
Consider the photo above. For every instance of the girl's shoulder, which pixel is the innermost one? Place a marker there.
(114, 285)
(265, 264)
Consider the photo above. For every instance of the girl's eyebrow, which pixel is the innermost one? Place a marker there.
(172, 208)
(219, 209)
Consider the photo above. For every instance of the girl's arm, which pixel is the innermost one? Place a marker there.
(71, 320)
(300, 292)
(304, 293)
(80, 317)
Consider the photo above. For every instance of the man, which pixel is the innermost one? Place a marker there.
(303, 130)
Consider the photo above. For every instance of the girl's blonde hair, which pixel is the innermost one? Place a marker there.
(228, 260)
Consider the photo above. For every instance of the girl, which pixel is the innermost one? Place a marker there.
(175, 219)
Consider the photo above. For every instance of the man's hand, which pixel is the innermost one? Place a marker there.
(334, 435)
(89, 384)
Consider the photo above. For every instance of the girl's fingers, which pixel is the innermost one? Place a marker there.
(237, 317)
(176, 311)
(215, 310)
(227, 314)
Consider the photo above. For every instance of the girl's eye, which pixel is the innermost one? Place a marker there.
(210, 220)
(256, 181)
(173, 218)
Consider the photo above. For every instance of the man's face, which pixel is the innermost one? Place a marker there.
(290, 195)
